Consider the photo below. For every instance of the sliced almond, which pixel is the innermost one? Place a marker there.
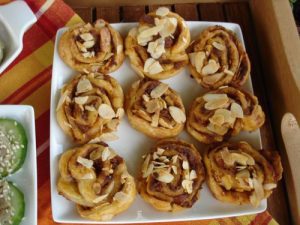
(164, 124)
(148, 63)
(218, 46)
(227, 182)
(141, 113)
(87, 176)
(193, 175)
(243, 174)
(88, 54)
(86, 37)
(185, 165)
(89, 44)
(155, 155)
(81, 47)
(106, 111)
(217, 119)
(210, 68)
(169, 26)
(155, 68)
(81, 100)
(146, 98)
(120, 113)
(228, 72)
(174, 169)
(85, 162)
(227, 115)
(270, 186)
(149, 170)
(109, 188)
(160, 151)
(212, 79)
(237, 110)
(146, 163)
(149, 32)
(212, 97)
(187, 186)
(197, 60)
(156, 48)
(84, 85)
(162, 11)
(153, 105)
(100, 198)
(105, 154)
(220, 130)
(155, 119)
(121, 197)
(258, 193)
(216, 104)
(164, 176)
(159, 90)
(177, 114)
(90, 108)
(174, 159)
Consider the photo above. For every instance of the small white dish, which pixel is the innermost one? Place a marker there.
(131, 144)
(15, 18)
(26, 177)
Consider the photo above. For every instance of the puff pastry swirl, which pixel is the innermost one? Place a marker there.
(155, 109)
(172, 175)
(156, 47)
(90, 108)
(94, 48)
(222, 113)
(95, 178)
(218, 58)
(238, 173)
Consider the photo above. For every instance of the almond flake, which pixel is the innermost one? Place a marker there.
(174, 159)
(216, 104)
(220, 130)
(86, 37)
(88, 54)
(226, 114)
(105, 154)
(156, 48)
(243, 174)
(228, 72)
(160, 151)
(84, 85)
(270, 186)
(212, 79)
(218, 46)
(149, 170)
(147, 33)
(187, 186)
(85, 162)
(109, 188)
(185, 165)
(81, 100)
(87, 176)
(236, 110)
(81, 47)
(146, 98)
(193, 175)
(90, 108)
(120, 113)
(197, 60)
(89, 44)
(153, 106)
(217, 119)
(155, 155)
(164, 124)
(169, 25)
(164, 176)
(121, 197)
(159, 90)
(106, 111)
(162, 11)
(177, 114)
(148, 63)
(146, 163)
(155, 68)
(62, 100)
(210, 68)
(155, 119)
(174, 169)
(212, 97)
(100, 198)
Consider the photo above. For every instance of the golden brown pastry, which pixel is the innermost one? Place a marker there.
(156, 47)
(95, 178)
(155, 109)
(238, 173)
(171, 176)
(222, 113)
(90, 108)
(218, 58)
(94, 48)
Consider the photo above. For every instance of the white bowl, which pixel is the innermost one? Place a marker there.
(25, 178)
(15, 19)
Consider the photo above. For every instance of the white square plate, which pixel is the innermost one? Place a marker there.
(25, 178)
(131, 144)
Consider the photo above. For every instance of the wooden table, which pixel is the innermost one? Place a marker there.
(229, 12)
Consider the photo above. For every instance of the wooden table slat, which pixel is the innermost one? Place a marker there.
(132, 13)
(110, 14)
(240, 13)
(211, 12)
(86, 13)
(188, 11)
(155, 7)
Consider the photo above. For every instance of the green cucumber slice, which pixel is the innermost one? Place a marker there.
(12, 204)
(13, 146)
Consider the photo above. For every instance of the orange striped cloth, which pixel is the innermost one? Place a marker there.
(27, 81)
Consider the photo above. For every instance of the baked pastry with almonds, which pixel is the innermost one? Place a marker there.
(90, 108)
(171, 175)
(94, 48)
(155, 109)
(218, 58)
(156, 47)
(240, 174)
(222, 113)
(95, 178)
